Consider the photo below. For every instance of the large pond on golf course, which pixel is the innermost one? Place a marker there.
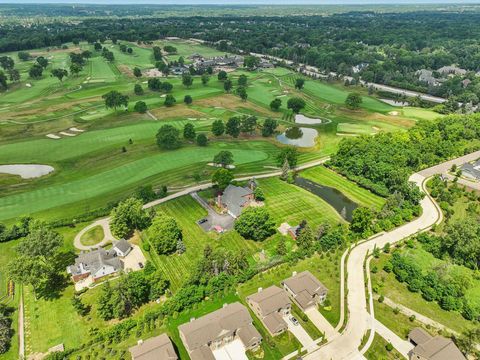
(342, 204)
(298, 136)
(26, 171)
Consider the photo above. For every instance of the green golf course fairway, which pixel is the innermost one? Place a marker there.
(119, 177)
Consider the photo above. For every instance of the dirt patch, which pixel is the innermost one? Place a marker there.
(175, 112)
(393, 113)
(53, 51)
(124, 69)
(231, 102)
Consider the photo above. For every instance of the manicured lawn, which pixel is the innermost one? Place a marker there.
(292, 204)
(352, 128)
(327, 177)
(378, 350)
(420, 114)
(187, 212)
(93, 236)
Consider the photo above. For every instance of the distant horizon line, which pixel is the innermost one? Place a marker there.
(247, 2)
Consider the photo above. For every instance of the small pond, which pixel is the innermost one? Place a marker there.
(342, 204)
(26, 171)
(298, 136)
(302, 119)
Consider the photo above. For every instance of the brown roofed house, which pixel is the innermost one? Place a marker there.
(428, 347)
(159, 347)
(305, 289)
(270, 305)
(214, 330)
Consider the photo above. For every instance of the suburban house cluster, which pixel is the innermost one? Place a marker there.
(235, 198)
(273, 305)
(437, 77)
(428, 347)
(99, 263)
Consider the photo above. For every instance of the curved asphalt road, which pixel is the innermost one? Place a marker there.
(346, 345)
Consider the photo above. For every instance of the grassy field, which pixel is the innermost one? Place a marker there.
(93, 236)
(327, 177)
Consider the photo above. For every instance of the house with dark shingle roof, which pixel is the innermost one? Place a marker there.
(159, 347)
(429, 347)
(235, 198)
(232, 322)
(471, 170)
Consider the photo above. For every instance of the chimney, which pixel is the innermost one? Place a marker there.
(294, 273)
(260, 289)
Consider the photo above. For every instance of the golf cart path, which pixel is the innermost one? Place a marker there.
(105, 222)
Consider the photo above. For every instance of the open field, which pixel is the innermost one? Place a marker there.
(93, 236)
(398, 292)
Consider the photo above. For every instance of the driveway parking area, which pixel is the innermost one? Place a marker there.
(232, 351)
(321, 323)
(299, 332)
(225, 221)
(133, 259)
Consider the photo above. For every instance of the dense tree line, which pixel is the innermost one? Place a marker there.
(119, 299)
(445, 288)
(392, 45)
(384, 162)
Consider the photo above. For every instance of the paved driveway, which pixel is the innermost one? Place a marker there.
(232, 351)
(321, 323)
(134, 257)
(299, 332)
(213, 218)
(402, 346)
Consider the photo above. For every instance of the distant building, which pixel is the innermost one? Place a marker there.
(426, 76)
(294, 231)
(428, 347)
(221, 327)
(179, 70)
(159, 347)
(235, 198)
(305, 290)
(97, 264)
(271, 305)
(451, 70)
(227, 61)
(466, 82)
(471, 170)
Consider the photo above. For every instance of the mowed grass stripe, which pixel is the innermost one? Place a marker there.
(107, 181)
(292, 204)
(187, 211)
(327, 177)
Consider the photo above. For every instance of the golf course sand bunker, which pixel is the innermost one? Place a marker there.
(298, 136)
(26, 171)
(302, 119)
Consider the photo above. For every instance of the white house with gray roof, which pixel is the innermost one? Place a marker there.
(97, 264)
(471, 170)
